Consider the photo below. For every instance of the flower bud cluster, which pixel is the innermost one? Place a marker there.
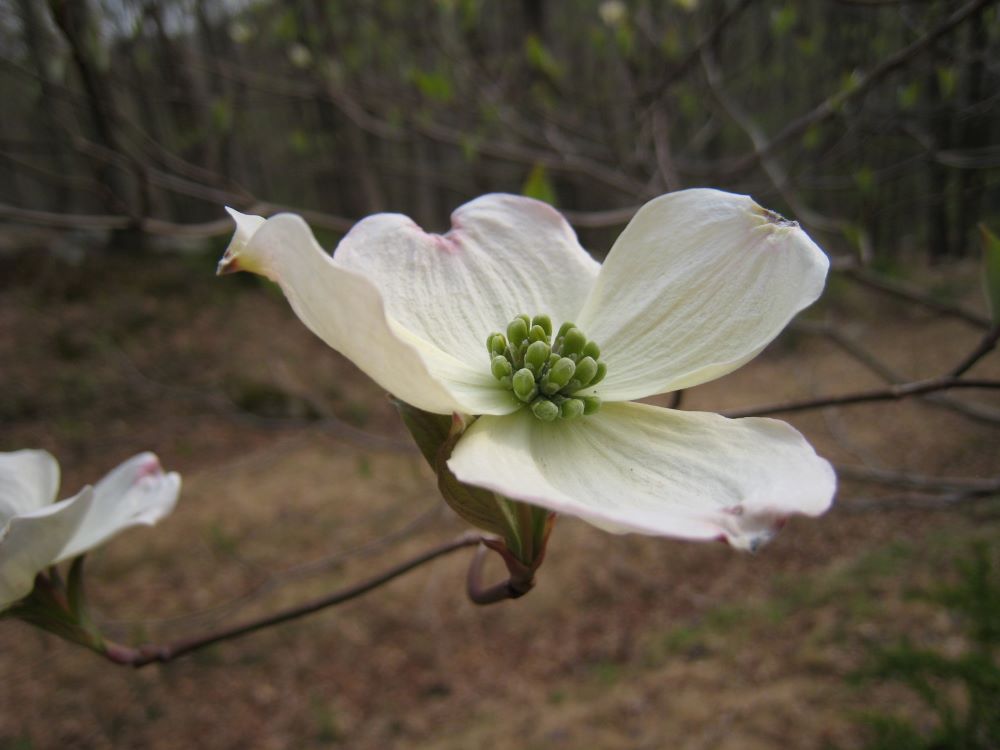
(547, 375)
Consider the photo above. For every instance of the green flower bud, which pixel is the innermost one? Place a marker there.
(517, 331)
(561, 372)
(544, 321)
(544, 409)
(537, 333)
(501, 367)
(591, 404)
(602, 370)
(586, 369)
(524, 385)
(592, 350)
(573, 342)
(571, 407)
(496, 344)
(536, 356)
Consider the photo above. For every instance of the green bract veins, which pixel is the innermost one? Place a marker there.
(544, 374)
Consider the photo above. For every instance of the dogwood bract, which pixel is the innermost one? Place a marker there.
(36, 531)
(467, 322)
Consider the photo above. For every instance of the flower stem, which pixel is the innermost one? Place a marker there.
(513, 588)
(148, 653)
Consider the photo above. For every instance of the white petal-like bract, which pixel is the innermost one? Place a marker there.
(136, 493)
(641, 468)
(29, 479)
(346, 309)
(504, 255)
(42, 533)
(699, 283)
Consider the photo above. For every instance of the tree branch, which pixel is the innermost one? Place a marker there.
(910, 293)
(891, 393)
(832, 104)
(147, 654)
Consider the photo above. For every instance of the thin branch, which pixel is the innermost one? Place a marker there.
(919, 501)
(833, 104)
(205, 229)
(149, 653)
(987, 345)
(769, 163)
(678, 70)
(976, 412)
(917, 481)
(910, 293)
(891, 393)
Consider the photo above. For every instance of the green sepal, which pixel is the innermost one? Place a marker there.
(50, 608)
(429, 431)
(436, 436)
(991, 271)
(523, 528)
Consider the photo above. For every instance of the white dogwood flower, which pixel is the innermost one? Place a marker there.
(699, 283)
(37, 532)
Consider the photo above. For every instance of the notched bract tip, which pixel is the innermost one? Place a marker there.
(774, 218)
(228, 264)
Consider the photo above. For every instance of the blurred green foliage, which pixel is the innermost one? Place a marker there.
(960, 691)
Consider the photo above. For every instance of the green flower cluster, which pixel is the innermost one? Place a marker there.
(547, 374)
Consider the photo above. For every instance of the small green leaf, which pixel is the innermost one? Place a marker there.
(864, 178)
(783, 19)
(991, 271)
(434, 85)
(909, 95)
(222, 115)
(541, 59)
(812, 138)
(947, 81)
(539, 186)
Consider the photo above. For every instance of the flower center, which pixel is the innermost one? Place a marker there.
(547, 374)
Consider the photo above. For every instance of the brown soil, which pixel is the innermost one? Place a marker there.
(298, 478)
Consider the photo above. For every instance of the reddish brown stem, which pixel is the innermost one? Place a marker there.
(512, 588)
(148, 653)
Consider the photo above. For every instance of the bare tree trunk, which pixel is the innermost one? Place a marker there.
(125, 195)
(974, 134)
(47, 111)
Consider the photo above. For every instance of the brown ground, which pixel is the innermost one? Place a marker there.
(627, 642)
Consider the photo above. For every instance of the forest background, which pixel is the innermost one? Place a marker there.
(128, 124)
